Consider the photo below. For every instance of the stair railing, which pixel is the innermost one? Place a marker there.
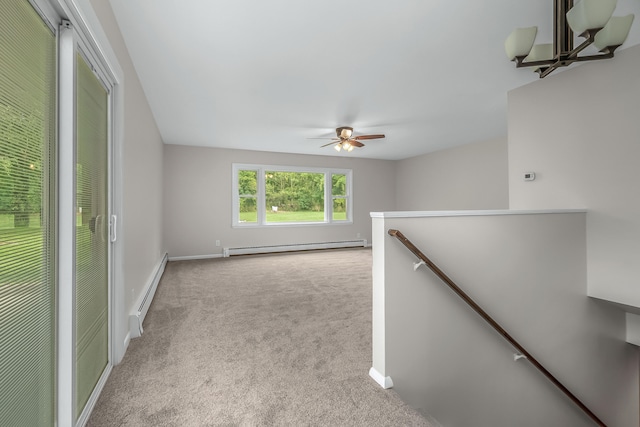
(495, 325)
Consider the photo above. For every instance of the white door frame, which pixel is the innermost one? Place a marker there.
(70, 45)
(84, 32)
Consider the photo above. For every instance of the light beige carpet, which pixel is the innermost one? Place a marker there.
(256, 340)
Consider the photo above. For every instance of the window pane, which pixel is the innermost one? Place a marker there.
(247, 183)
(294, 196)
(339, 184)
(248, 209)
(248, 201)
(339, 209)
(27, 240)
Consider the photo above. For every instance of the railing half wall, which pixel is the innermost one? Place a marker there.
(529, 270)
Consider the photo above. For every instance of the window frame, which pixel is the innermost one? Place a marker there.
(261, 196)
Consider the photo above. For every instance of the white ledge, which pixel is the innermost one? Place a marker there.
(423, 214)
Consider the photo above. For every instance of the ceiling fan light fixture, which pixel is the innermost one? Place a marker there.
(346, 141)
(344, 132)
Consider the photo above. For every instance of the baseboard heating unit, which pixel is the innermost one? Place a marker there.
(137, 317)
(252, 250)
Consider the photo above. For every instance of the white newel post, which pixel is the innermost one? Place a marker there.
(378, 371)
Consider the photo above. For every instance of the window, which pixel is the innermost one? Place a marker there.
(280, 195)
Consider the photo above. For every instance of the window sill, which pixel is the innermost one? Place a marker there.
(291, 224)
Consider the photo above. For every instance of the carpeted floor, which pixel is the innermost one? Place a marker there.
(256, 341)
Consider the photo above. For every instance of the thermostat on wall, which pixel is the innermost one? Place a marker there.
(529, 176)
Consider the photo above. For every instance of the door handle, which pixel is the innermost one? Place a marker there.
(114, 226)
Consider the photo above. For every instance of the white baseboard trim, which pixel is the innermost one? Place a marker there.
(294, 247)
(142, 305)
(384, 382)
(127, 340)
(192, 257)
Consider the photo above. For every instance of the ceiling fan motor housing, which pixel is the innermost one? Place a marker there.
(344, 132)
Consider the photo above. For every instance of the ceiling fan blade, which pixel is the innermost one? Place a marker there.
(331, 143)
(368, 137)
(356, 143)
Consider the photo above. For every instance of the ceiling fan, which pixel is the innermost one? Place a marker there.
(346, 141)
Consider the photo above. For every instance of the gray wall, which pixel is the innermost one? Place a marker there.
(529, 273)
(197, 199)
(141, 167)
(579, 131)
(472, 176)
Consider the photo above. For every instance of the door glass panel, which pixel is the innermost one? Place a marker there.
(91, 232)
(27, 209)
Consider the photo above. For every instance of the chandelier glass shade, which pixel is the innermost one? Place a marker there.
(591, 20)
(614, 33)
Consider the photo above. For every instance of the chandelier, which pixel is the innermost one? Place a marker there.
(592, 20)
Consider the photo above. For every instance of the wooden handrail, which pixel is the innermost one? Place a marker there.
(398, 235)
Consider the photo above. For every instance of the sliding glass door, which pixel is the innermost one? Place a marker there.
(54, 219)
(92, 231)
(27, 222)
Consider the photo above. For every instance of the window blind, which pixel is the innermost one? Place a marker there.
(91, 232)
(27, 141)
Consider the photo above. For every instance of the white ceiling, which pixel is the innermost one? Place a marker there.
(267, 75)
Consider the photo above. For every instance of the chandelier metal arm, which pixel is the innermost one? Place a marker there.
(520, 62)
(606, 55)
(545, 71)
(567, 58)
(574, 53)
